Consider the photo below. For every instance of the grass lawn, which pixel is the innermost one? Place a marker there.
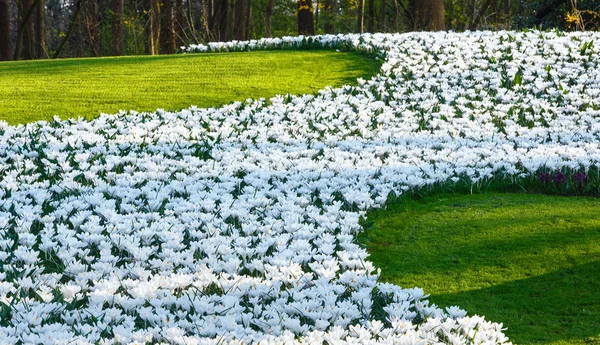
(531, 262)
(37, 90)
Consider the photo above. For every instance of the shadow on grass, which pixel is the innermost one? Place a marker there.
(531, 262)
(561, 306)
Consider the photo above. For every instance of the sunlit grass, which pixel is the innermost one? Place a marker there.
(531, 262)
(37, 90)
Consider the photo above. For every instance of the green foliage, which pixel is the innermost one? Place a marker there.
(529, 261)
(37, 90)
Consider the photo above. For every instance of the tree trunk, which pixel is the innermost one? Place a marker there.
(28, 33)
(371, 21)
(79, 37)
(167, 27)
(428, 14)
(155, 28)
(118, 28)
(329, 16)
(395, 17)
(25, 16)
(222, 13)
(239, 23)
(317, 14)
(247, 18)
(479, 15)
(92, 25)
(360, 23)
(382, 18)
(306, 25)
(180, 24)
(40, 31)
(5, 41)
(78, 7)
(268, 15)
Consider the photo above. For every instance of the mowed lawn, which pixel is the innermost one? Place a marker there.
(37, 90)
(531, 262)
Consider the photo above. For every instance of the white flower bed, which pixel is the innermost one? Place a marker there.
(236, 224)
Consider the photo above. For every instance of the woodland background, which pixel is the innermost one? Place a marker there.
(40, 29)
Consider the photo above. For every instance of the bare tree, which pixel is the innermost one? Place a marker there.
(118, 28)
(78, 5)
(5, 41)
(28, 32)
(477, 17)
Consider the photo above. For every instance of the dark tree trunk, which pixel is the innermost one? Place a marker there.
(118, 28)
(239, 25)
(92, 24)
(428, 14)
(371, 19)
(167, 27)
(28, 33)
(25, 17)
(180, 23)
(79, 37)
(360, 23)
(306, 24)
(247, 18)
(40, 31)
(268, 15)
(395, 16)
(329, 16)
(208, 16)
(5, 41)
(222, 14)
(382, 16)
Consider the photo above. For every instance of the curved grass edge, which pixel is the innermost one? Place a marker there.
(237, 84)
(564, 323)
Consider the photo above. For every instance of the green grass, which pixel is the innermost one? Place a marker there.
(37, 90)
(529, 261)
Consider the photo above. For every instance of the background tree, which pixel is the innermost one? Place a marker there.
(427, 14)
(118, 29)
(167, 27)
(306, 24)
(68, 28)
(360, 16)
(5, 40)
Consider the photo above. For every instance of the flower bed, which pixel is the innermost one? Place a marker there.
(237, 224)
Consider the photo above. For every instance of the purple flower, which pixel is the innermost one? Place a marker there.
(559, 177)
(545, 177)
(580, 178)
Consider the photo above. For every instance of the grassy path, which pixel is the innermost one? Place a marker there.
(531, 262)
(37, 90)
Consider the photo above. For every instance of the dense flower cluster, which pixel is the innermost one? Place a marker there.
(236, 224)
